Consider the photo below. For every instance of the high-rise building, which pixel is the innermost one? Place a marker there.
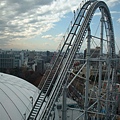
(7, 60)
(40, 66)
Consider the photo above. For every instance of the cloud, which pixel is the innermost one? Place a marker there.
(47, 36)
(118, 20)
(112, 3)
(24, 19)
(115, 12)
(112, 12)
(55, 38)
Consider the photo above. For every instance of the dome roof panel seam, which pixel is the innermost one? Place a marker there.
(29, 89)
(16, 95)
(5, 110)
(13, 103)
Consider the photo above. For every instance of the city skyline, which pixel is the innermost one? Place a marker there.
(41, 25)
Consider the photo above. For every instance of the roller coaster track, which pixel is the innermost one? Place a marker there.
(58, 73)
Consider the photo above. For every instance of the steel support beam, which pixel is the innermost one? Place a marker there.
(109, 80)
(100, 65)
(87, 74)
(64, 104)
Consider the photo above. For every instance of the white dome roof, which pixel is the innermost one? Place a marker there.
(15, 97)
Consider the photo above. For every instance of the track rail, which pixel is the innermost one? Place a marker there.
(51, 78)
(57, 75)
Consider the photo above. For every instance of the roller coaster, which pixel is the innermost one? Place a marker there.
(100, 69)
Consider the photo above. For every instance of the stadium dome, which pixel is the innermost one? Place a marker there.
(16, 97)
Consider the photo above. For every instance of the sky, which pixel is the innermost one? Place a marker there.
(41, 24)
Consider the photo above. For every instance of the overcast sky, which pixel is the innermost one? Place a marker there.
(41, 24)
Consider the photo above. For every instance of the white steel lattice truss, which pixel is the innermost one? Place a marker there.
(93, 80)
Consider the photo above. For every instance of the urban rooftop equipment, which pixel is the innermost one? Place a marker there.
(96, 74)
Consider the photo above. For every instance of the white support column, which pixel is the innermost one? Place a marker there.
(100, 65)
(87, 75)
(114, 88)
(108, 81)
(64, 105)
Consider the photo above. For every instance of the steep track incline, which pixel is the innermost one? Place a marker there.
(51, 77)
(58, 73)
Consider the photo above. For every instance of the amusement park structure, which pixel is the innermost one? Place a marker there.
(99, 91)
